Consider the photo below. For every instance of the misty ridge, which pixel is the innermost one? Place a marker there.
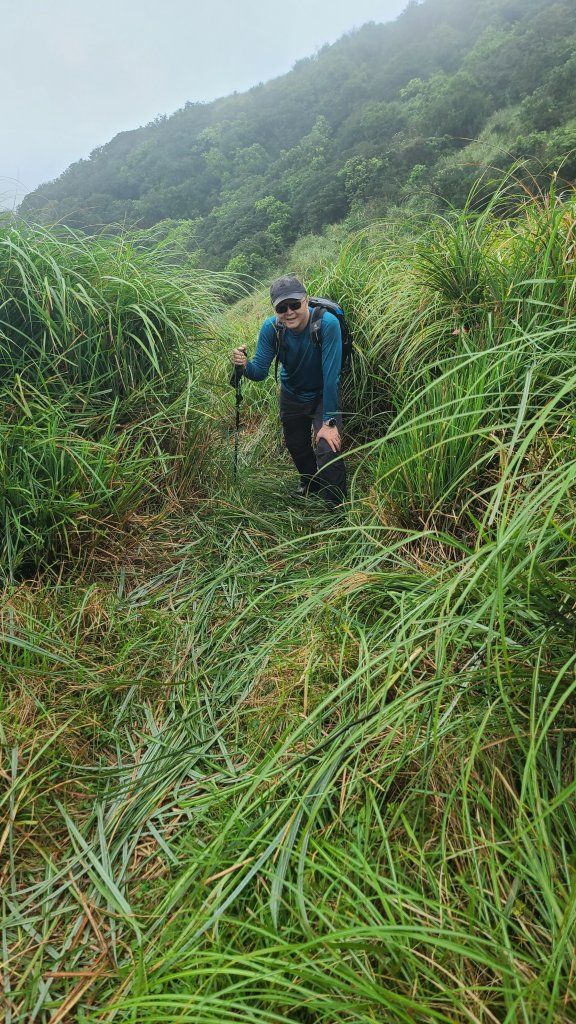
(404, 115)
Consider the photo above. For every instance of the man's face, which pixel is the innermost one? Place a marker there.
(295, 319)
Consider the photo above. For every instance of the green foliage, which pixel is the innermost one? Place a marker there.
(95, 371)
(263, 765)
(383, 116)
(95, 317)
(60, 486)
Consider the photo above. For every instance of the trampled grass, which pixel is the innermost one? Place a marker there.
(265, 766)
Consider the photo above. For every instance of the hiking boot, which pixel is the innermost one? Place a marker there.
(306, 489)
(302, 491)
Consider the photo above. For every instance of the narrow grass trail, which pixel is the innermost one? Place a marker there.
(315, 820)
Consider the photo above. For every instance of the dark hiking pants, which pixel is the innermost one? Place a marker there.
(322, 471)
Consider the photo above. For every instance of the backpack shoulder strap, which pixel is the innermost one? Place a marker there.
(316, 325)
(280, 332)
(321, 306)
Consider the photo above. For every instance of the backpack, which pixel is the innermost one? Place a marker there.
(319, 307)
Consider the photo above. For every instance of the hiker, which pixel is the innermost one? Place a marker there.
(309, 387)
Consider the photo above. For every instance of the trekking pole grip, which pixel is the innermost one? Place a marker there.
(238, 372)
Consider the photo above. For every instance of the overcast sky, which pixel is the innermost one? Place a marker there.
(74, 73)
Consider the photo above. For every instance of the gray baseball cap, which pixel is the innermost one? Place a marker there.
(287, 287)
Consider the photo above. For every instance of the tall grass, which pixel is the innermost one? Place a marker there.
(96, 386)
(102, 318)
(269, 768)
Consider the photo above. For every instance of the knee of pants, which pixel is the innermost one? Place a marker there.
(331, 465)
(324, 452)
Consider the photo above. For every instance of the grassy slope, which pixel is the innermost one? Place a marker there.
(264, 768)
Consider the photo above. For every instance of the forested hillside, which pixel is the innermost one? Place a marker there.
(390, 115)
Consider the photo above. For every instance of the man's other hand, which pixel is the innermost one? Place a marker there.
(331, 435)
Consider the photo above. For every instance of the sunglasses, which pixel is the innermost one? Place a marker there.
(292, 304)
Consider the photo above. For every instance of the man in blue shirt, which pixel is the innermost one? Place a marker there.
(310, 410)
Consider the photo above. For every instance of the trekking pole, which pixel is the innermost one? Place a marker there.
(235, 382)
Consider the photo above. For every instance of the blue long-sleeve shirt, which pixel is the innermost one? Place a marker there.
(307, 370)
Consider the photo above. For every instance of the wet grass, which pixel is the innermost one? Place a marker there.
(262, 765)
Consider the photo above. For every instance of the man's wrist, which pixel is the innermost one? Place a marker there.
(330, 423)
